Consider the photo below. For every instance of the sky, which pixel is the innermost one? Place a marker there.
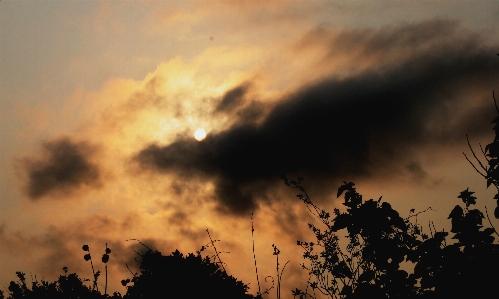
(99, 102)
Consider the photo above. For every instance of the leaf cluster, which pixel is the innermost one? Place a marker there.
(68, 286)
(179, 276)
(490, 169)
(172, 276)
(387, 256)
(378, 241)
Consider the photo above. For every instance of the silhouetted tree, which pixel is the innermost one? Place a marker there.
(179, 276)
(465, 269)
(379, 241)
(173, 276)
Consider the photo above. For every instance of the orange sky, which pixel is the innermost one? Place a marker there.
(99, 101)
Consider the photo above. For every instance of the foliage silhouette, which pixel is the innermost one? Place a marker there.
(66, 287)
(491, 155)
(379, 241)
(466, 268)
(176, 276)
(179, 276)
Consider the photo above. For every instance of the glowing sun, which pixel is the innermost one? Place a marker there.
(200, 134)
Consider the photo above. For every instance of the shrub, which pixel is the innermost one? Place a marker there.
(379, 240)
(179, 276)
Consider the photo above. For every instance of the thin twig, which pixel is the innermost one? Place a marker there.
(126, 264)
(483, 152)
(273, 283)
(415, 215)
(474, 166)
(495, 103)
(93, 271)
(254, 255)
(140, 243)
(474, 155)
(216, 251)
(105, 287)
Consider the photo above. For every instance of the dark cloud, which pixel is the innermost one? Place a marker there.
(346, 128)
(238, 104)
(390, 43)
(233, 98)
(66, 166)
(416, 170)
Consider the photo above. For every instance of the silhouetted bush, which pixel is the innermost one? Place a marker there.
(173, 276)
(66, 287)
(179, 276)
(379, 241)
(466, 268)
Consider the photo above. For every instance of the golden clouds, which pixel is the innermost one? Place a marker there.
(277, 88)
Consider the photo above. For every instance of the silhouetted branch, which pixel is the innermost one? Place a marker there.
(483, 152)
(254, 255)
(415, 215)
(476, 158)
(495, 102)
(273, 283)
(126, 264)
(216, 251)
(140, 243)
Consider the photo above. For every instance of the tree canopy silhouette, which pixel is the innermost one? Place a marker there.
(173, 276)
(388, 256)
(179, 276)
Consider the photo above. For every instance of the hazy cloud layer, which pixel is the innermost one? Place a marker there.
(349, 127)
(65, 165)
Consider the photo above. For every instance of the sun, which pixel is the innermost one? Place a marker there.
(200, 134)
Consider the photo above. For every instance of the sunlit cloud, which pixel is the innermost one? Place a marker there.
(105, 150)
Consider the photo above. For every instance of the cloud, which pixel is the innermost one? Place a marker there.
(232, 98)
(345, 127)
(65, 166)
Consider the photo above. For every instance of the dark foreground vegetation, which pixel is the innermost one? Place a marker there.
(384, 255)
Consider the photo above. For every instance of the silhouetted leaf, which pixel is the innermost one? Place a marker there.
(345, 187)
(467, 197)
(124, 282)
(105, 258)
(87, 257)
(456, 213)
(489, 231)
(296, 292)
(341, 221)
